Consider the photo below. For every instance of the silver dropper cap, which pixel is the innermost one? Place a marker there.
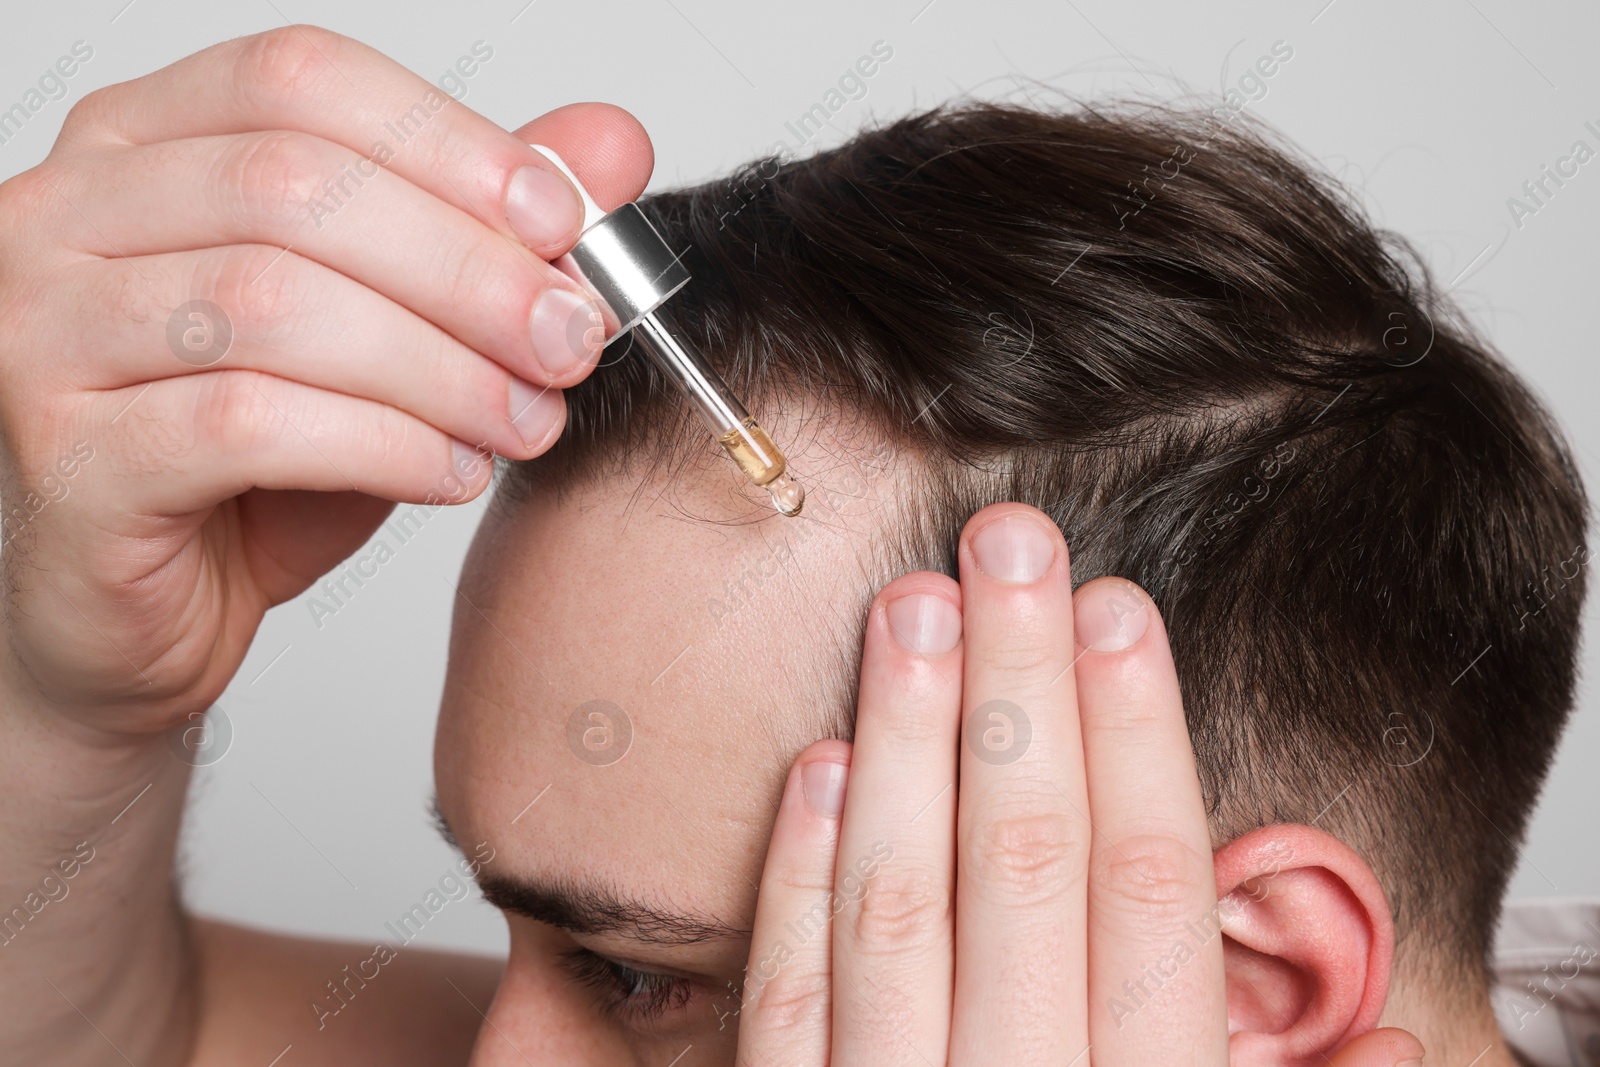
(624, 261)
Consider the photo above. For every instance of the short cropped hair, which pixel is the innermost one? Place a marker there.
(1200, 358)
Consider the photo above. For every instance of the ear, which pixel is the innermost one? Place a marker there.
(1307, 949)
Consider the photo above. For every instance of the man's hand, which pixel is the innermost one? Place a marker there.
(994, 922)
(251, 300)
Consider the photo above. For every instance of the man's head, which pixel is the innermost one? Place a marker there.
(1194, 355)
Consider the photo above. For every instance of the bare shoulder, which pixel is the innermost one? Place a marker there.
(263, 995)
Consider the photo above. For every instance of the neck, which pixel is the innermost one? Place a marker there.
(1460, 1030)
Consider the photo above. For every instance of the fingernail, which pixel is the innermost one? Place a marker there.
(923, 623)
(562, 336)
(1409, 1063)
(823, 785)
(1014, 549)
(1110, 616)
(533, 410)
(542, 206)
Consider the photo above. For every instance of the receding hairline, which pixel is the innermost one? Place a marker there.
(1172, 275)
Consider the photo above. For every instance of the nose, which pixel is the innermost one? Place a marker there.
(534, 1020)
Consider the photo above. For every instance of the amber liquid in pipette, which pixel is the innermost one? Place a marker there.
(759, 459)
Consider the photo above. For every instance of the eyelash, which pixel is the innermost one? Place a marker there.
(628, 994)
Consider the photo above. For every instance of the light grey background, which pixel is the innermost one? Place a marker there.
(1436, 112)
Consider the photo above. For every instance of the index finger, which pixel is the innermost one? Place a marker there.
(1155, 946)
(315, 81)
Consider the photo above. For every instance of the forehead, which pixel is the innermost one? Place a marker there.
(633, 666)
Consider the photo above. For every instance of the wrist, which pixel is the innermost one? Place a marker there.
(86, 890)
(60, 708)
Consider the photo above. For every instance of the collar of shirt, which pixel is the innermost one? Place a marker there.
(1546, 987)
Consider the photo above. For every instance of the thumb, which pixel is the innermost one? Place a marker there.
(604, 145)
(1389, 1047)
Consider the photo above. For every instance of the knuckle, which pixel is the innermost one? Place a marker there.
(899, 913)
(464, 279)
(276, 175)
(796, 877)
(1151, 875)
(260, 287)
(793, 1000)
(1024, 656)
(29, 208)
(915, 721)
(1030, 859)
(90, 111)
(232, 416)
(391, 429)
(283, 64)
(24, 196)
(475, 273)
(1122, 720)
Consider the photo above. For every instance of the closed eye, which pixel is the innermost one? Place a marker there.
(628, 994)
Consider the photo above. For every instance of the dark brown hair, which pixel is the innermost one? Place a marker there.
(1198, 356)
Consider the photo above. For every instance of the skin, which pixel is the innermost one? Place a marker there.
(217, 491)
(680, 821)
(200, 496)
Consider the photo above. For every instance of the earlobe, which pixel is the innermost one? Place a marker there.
(1308, 945)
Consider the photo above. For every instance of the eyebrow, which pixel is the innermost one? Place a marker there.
(592, 907)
